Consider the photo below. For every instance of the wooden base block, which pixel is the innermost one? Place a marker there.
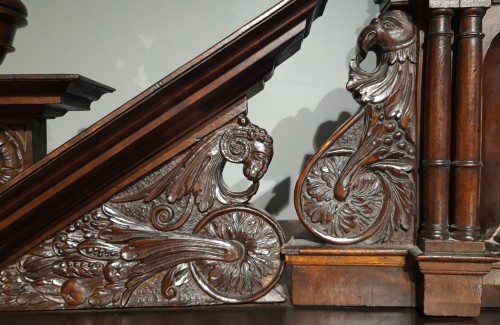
(352, 286)
(351, 276)
(452, 278)
(451, 295)
(491, 287)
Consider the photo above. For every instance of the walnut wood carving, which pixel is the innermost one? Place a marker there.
(359, 187)
(13, 148)
(177, 236)
(153, 127)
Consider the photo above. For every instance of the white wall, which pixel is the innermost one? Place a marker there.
(130, 44)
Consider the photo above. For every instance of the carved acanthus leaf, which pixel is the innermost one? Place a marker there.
(177, 236)
(361, 190)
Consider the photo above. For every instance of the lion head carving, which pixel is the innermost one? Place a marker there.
(250, 145)
(199, 173)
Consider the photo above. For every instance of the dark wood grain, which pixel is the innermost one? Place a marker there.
(359, 187)
(452, 278)
(449, 279)
(490, 174)
(467, 144)
(148, 126)
(39, 96)
(324, 275)
(177, 236)
(281, 314)
(437, 126)
(26, 101)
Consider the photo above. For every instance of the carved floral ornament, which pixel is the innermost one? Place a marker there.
(177, 236)
(359, 186)
(12, 146)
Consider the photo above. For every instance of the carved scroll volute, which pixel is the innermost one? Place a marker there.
(359, 187)
(177, 236)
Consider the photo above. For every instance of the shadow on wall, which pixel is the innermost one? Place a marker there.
(279, 200)
(324, 132)
(281, 196)
(128, 49)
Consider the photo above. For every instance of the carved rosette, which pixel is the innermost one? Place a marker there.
(359, 187)
(178, 236)
(255, 270)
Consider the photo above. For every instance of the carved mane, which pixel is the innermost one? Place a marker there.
(199, 173)
(142, 240)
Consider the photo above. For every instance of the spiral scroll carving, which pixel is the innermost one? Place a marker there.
(175, 237)
(359, 187)
(255, 272)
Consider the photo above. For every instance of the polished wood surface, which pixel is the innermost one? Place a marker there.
(141, 131)
(162, 230)
(178, 236)
(26, 102)
(328, 275)
(36, 96)
(467, 149)
(277, 314)
(437, 126)
(490, 177)
(359, 187)
(446, 276)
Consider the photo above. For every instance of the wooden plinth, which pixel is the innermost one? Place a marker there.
(491, 287)
(350, 276)
(452, 277)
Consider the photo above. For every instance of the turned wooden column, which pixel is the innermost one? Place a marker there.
(467, 128)
(13, 15)
(437, 126)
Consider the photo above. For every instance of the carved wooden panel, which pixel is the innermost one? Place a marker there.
(141, 130)
(360, 185)
(13, 151)
(177, 236)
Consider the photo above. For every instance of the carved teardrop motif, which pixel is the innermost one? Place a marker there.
(359, 187)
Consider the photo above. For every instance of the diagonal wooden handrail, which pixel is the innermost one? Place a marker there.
(139, 135)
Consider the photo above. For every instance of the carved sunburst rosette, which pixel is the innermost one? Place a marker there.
(359, 187)
(260, 264)
(177, 236)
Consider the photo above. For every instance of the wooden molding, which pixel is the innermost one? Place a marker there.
(25, 96)
(177, 236)
(26, 101)
(351, 275)
(118, 149)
